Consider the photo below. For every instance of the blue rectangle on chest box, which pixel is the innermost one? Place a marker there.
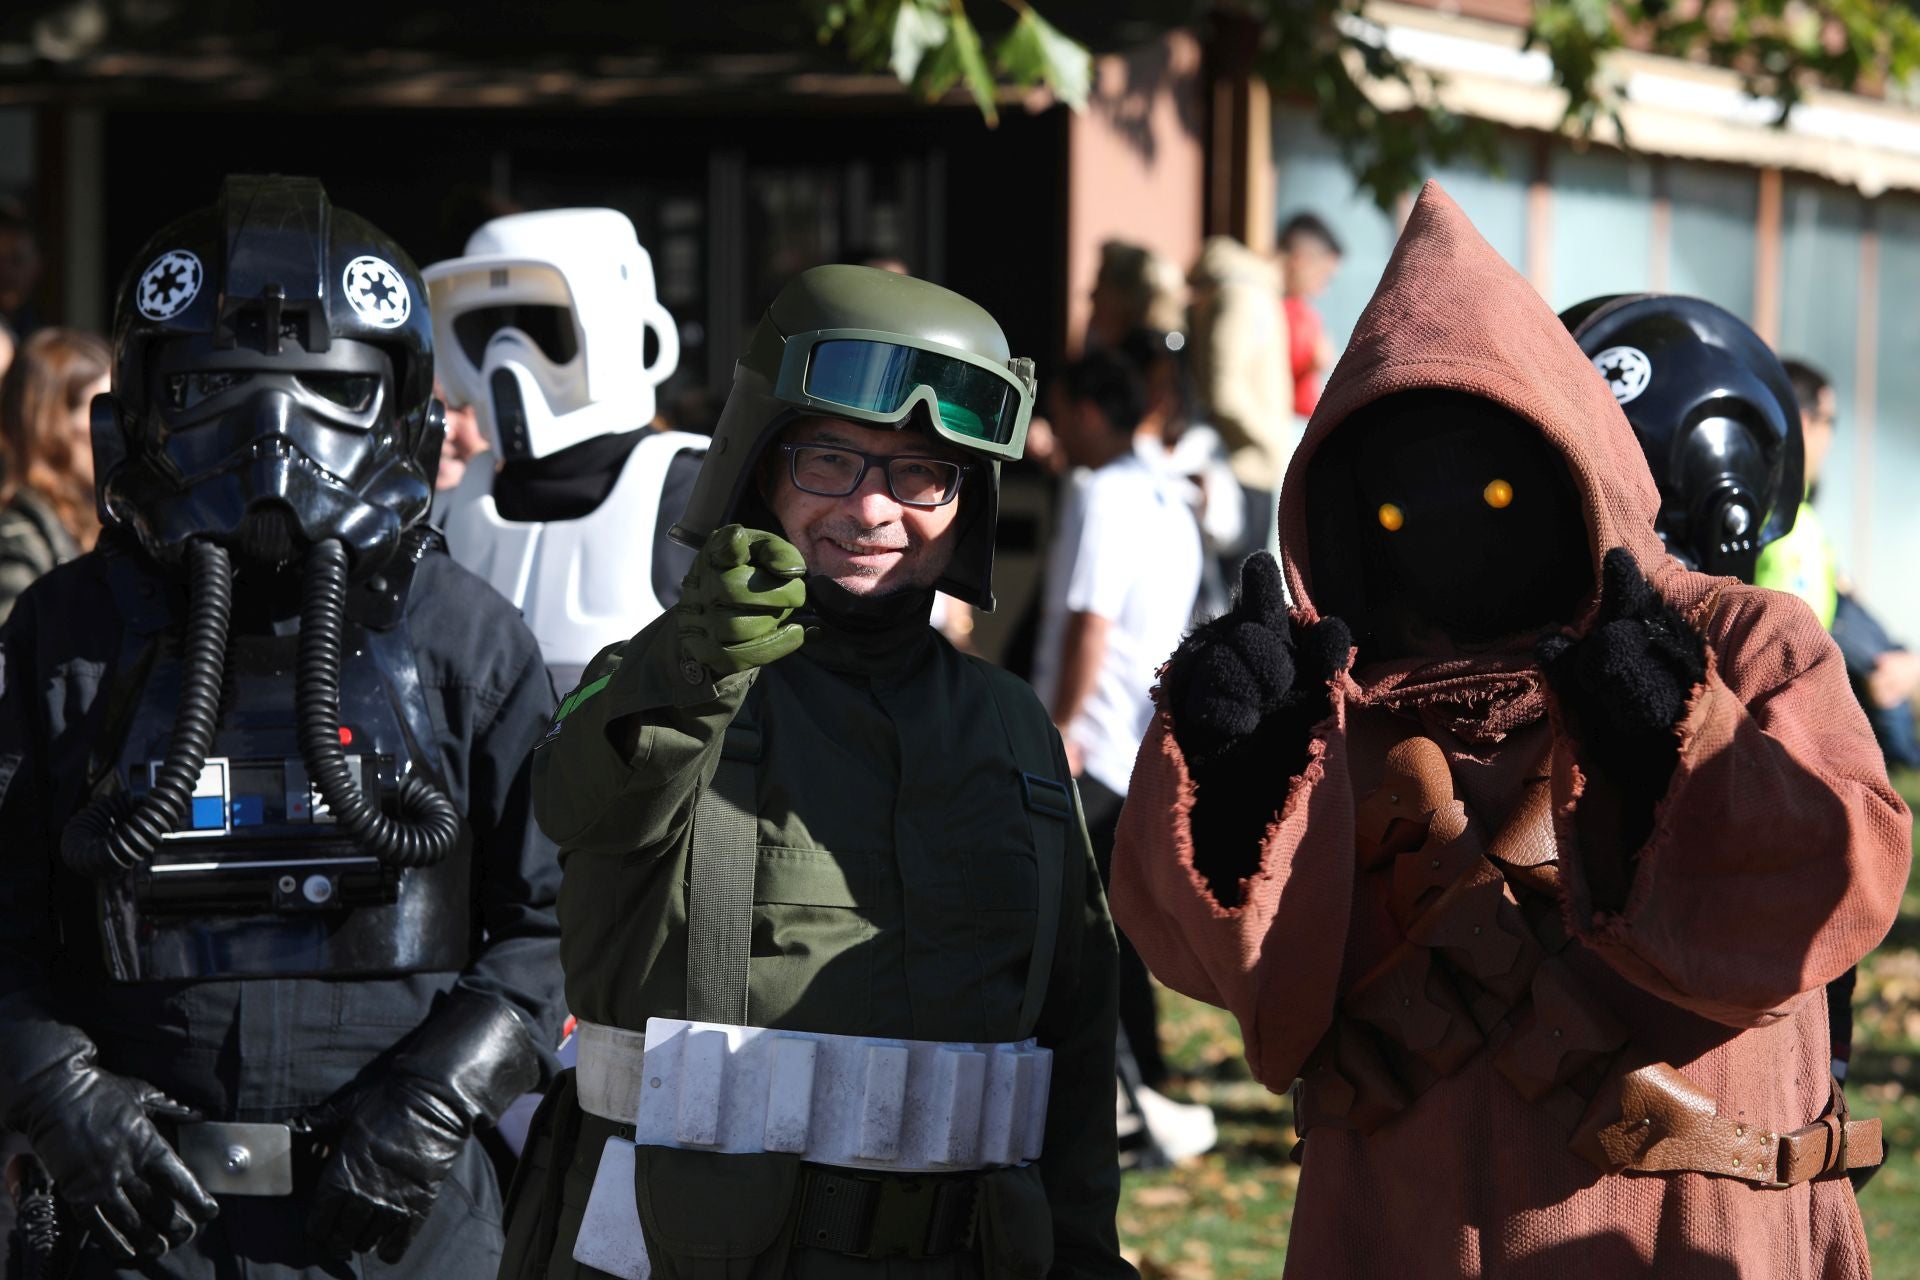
(209, 813)
(248, 811)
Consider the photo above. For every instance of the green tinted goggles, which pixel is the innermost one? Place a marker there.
(866, 375)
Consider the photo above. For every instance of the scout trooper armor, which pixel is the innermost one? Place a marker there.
(542, 328)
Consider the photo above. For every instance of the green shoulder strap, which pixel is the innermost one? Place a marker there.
(720, 879)
(1051, 805)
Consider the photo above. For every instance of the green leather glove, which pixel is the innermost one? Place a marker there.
(735, 601)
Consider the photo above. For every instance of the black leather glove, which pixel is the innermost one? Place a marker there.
(1244, 692)
(94, 1132)
(1624, 687)
(401, 1131)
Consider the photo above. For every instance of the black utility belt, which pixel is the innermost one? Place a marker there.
(886, 1215)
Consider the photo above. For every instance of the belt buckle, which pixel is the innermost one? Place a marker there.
(234, 1159)
(908, 1210)
(902, 1215)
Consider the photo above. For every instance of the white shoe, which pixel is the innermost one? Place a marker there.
(1179, 1129)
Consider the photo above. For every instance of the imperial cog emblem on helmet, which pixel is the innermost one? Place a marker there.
(1627, 371)
(377, 292)
(169, 284)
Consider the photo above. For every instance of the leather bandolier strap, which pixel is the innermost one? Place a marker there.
(1481, 965)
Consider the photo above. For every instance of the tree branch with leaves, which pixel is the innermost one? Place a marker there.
(1330, 54)
(933, 45)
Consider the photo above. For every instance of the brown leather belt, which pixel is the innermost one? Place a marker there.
(1481, 967)
(1668, 1125)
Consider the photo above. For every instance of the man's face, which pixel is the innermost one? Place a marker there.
(1309, 267)
(462, 441)
(1111, 317)
(1816, 430)
(1084, 430)
(868, 542)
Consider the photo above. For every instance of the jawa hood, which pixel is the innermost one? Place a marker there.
(1451, 316)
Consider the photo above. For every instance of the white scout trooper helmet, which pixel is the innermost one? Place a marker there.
(542, 328)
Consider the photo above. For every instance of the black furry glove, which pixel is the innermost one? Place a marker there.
(1625, 686)
(1244, 692)
(1630, 676)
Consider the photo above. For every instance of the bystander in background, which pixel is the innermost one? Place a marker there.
(463, 442)
(1190, 453)
(19, 269)
(877, 258)
(1884, 674)
(47, 513)
(1120, 586)
(1135, 288)
(46, 500)
(1238, 339)
(1309, 258)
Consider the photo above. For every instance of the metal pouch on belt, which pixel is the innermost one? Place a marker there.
(232, 1159)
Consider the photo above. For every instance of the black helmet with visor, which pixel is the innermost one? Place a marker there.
(1716, 418)
(272, 382)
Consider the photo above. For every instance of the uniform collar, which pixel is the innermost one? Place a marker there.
(883, 638)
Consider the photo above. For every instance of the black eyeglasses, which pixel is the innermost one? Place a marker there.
(834, 471)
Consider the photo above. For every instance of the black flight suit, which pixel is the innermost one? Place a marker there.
(267, 1049)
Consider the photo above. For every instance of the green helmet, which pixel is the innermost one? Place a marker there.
(880, 350)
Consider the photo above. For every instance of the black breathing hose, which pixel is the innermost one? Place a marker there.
(428, 824)
(115, 833)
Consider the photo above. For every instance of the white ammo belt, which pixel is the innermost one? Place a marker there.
(858, 1102)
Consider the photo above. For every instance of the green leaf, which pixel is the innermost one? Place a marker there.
(1035, 52)
(965, 42)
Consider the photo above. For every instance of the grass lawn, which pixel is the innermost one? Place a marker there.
(1224, 1216)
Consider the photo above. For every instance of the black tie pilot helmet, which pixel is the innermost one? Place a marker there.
(1715, 415)
(272, 382)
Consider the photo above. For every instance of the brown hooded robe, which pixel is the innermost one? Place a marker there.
(1777, 860)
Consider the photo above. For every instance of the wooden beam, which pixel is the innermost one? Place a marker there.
(1259, 214)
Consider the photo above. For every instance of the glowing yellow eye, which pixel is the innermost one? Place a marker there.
(1498, 494)
(1391, 517)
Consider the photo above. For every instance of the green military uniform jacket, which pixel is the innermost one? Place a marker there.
(899, 868)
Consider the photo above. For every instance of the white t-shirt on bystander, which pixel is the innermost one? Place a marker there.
(1128, 550)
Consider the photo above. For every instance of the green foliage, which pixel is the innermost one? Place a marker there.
(933, 45)
(1321, 52)
(1035, 53)
(1780, 48)
(1328, 53)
